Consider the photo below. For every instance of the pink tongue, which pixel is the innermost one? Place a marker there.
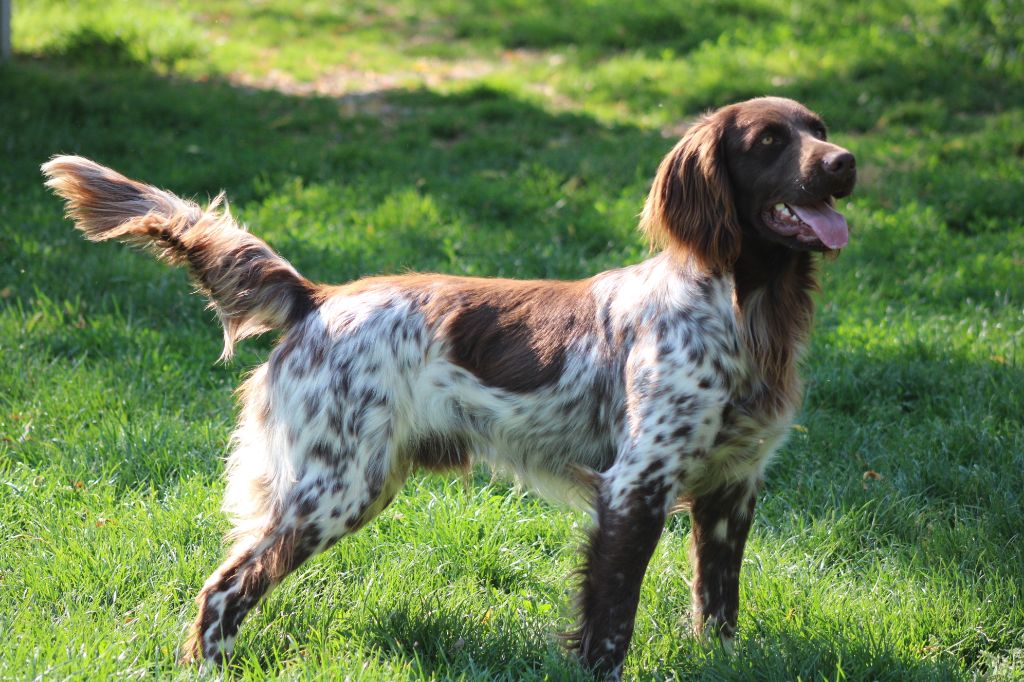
(828, 224)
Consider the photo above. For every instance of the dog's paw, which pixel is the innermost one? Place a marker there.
(719, 633)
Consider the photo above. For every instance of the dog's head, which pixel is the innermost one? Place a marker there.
(758, 170)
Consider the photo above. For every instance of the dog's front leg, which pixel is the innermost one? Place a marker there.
(721, 522)
(630, 512)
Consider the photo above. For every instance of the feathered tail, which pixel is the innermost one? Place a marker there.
(252, 288)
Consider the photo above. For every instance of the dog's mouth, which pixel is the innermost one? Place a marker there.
(815, 226)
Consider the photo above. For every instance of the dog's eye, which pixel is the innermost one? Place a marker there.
(767, 139)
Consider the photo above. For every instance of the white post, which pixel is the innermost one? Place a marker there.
(5, 29)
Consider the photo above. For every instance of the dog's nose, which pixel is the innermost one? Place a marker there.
(839, 163)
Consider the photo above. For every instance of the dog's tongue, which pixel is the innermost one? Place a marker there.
(828, 224)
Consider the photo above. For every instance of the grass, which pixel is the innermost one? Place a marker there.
(511, 138)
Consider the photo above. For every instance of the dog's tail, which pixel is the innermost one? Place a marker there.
(252, 288)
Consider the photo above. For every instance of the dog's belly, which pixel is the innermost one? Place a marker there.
(541, 437)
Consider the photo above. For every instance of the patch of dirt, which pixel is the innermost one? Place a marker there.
(365, 92)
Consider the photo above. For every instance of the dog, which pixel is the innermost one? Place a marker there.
(670, 382)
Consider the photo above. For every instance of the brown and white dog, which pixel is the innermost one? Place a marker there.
(668, 382)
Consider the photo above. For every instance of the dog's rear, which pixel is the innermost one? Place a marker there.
(252, 288)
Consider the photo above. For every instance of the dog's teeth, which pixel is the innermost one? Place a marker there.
(785, 213)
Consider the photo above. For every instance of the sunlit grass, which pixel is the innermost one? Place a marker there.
(514, 139)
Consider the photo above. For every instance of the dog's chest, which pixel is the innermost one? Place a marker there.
(743, 446)
(751, 425)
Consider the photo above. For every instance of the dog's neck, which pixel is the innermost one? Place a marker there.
(775, 311)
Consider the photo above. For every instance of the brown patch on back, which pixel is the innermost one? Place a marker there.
(513, 335)
(510, 334)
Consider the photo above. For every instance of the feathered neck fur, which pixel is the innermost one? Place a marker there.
(775, 311)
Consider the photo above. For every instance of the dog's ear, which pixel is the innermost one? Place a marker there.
(691, 201)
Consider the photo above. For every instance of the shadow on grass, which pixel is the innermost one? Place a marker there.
(443, 645)
(441, 641)
(597, 27)
(488, 160)
(808, 656)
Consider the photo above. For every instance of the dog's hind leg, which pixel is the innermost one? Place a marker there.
(312, 520)
(239, 583)
(338, 485)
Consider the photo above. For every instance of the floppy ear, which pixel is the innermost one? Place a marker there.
(691, 201)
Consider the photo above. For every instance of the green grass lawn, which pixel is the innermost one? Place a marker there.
(512, 138)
